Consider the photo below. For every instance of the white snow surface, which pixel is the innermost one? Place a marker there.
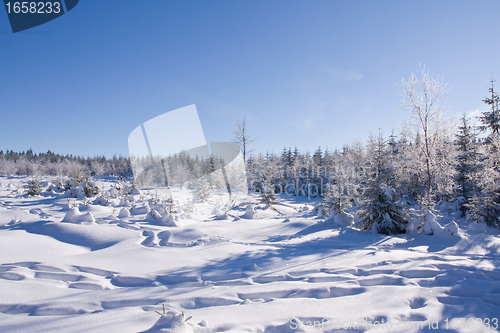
(75, 265)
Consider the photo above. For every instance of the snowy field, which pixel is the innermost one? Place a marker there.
(116, 265)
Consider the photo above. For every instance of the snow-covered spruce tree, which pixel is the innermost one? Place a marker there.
(335, 202)
(491, 119)
(268, 195)
(380, 210)
(485, 205)
(468, 164)
(33, 187)
(203, 187)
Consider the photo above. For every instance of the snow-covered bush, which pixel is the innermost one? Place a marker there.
(75, 216)
(188, 206)
(80, 187)
(268, 196)
(250, 213)
(431, 226)
(57, 187)
(451, 228)
(34, 187)
(334, 202)
(202, 188)
(169, 205)
(103, 201)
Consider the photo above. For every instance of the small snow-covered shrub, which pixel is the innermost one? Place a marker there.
(175, 322)
(333, 202)
(451, 228)
(169, 205)
(75, 216)
(145, 209)
(34, 187)
(268, 196)
(57, 187)
(168, 220)
(101, 201)
(188, 206)
(381, 212)
(80, 187)
(203, 188)
(250, 213)
(431, 226)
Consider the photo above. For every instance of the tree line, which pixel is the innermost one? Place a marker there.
(427, 162)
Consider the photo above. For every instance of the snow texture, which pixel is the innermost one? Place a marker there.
(73, 266)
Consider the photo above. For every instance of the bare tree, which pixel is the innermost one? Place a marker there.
(241, 137)
(420, 96)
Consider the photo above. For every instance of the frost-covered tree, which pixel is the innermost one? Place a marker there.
(380, 210)
(335, 202)
(468, 164)
(485, 205)
(420, 97)
(242, 138)
(34, 187)
(491, 119)
(268, 195)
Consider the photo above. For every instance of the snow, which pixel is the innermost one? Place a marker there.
(75, 216)
(343, 220)
(81, 265)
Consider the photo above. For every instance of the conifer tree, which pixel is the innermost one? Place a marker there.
(485, 206)
(491, 119)
(381, 211)
(467, 164)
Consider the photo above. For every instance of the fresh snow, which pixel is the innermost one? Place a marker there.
(127, 265)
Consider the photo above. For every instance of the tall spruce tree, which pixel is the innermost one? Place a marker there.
(491, 119)
(380, 210)
(485, 206)
(467, 165)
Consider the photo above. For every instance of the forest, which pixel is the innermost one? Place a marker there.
(387, 179)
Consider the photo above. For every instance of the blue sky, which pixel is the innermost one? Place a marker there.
(305, 73)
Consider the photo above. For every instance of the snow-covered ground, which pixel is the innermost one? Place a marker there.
(75, 265)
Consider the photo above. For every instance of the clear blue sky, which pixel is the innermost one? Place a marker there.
(305, 73)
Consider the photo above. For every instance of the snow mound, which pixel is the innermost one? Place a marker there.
(124, 212)
(451, 228)
(250, 213)
(175, 322)
(168, 220)
(101, 201)
(153, 216)
(251, 267)
(343, 220)
(431, 226)
(140, 210)
(294, 325)
(476, 228)
(223, 217)
(74, 216)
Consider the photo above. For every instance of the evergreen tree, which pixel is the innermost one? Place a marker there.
(467, 165)
(491, 119)
(485, 205)
(381, 211)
